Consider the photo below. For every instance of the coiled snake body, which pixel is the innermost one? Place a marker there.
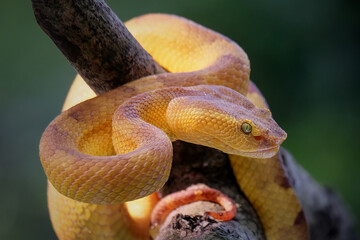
(114, 148)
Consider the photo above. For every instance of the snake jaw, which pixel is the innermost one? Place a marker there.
(263, 153)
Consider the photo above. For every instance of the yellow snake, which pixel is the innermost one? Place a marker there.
(107, 151)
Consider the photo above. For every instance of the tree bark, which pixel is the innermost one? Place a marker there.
(95, 41)
(105, 54)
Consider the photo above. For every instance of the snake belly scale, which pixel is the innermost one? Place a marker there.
(109, 150)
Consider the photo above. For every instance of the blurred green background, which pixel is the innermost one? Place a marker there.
(304, 57)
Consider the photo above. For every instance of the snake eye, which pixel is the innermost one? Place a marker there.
(246, 127)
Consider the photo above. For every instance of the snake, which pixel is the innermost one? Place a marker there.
(106, 156)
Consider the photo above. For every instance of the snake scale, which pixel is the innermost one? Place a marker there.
(105, 157)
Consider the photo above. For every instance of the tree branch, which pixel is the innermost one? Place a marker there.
(95, 41)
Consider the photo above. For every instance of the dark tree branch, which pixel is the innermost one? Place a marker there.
(95, 41)
(105, 54)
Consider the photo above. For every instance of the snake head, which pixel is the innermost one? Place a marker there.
(225, 119)
(260, 135)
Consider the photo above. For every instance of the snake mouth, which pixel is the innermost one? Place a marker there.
(263, 153)
(256, 153)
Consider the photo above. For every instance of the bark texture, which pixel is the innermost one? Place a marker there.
(95, 42)
(105, 54)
